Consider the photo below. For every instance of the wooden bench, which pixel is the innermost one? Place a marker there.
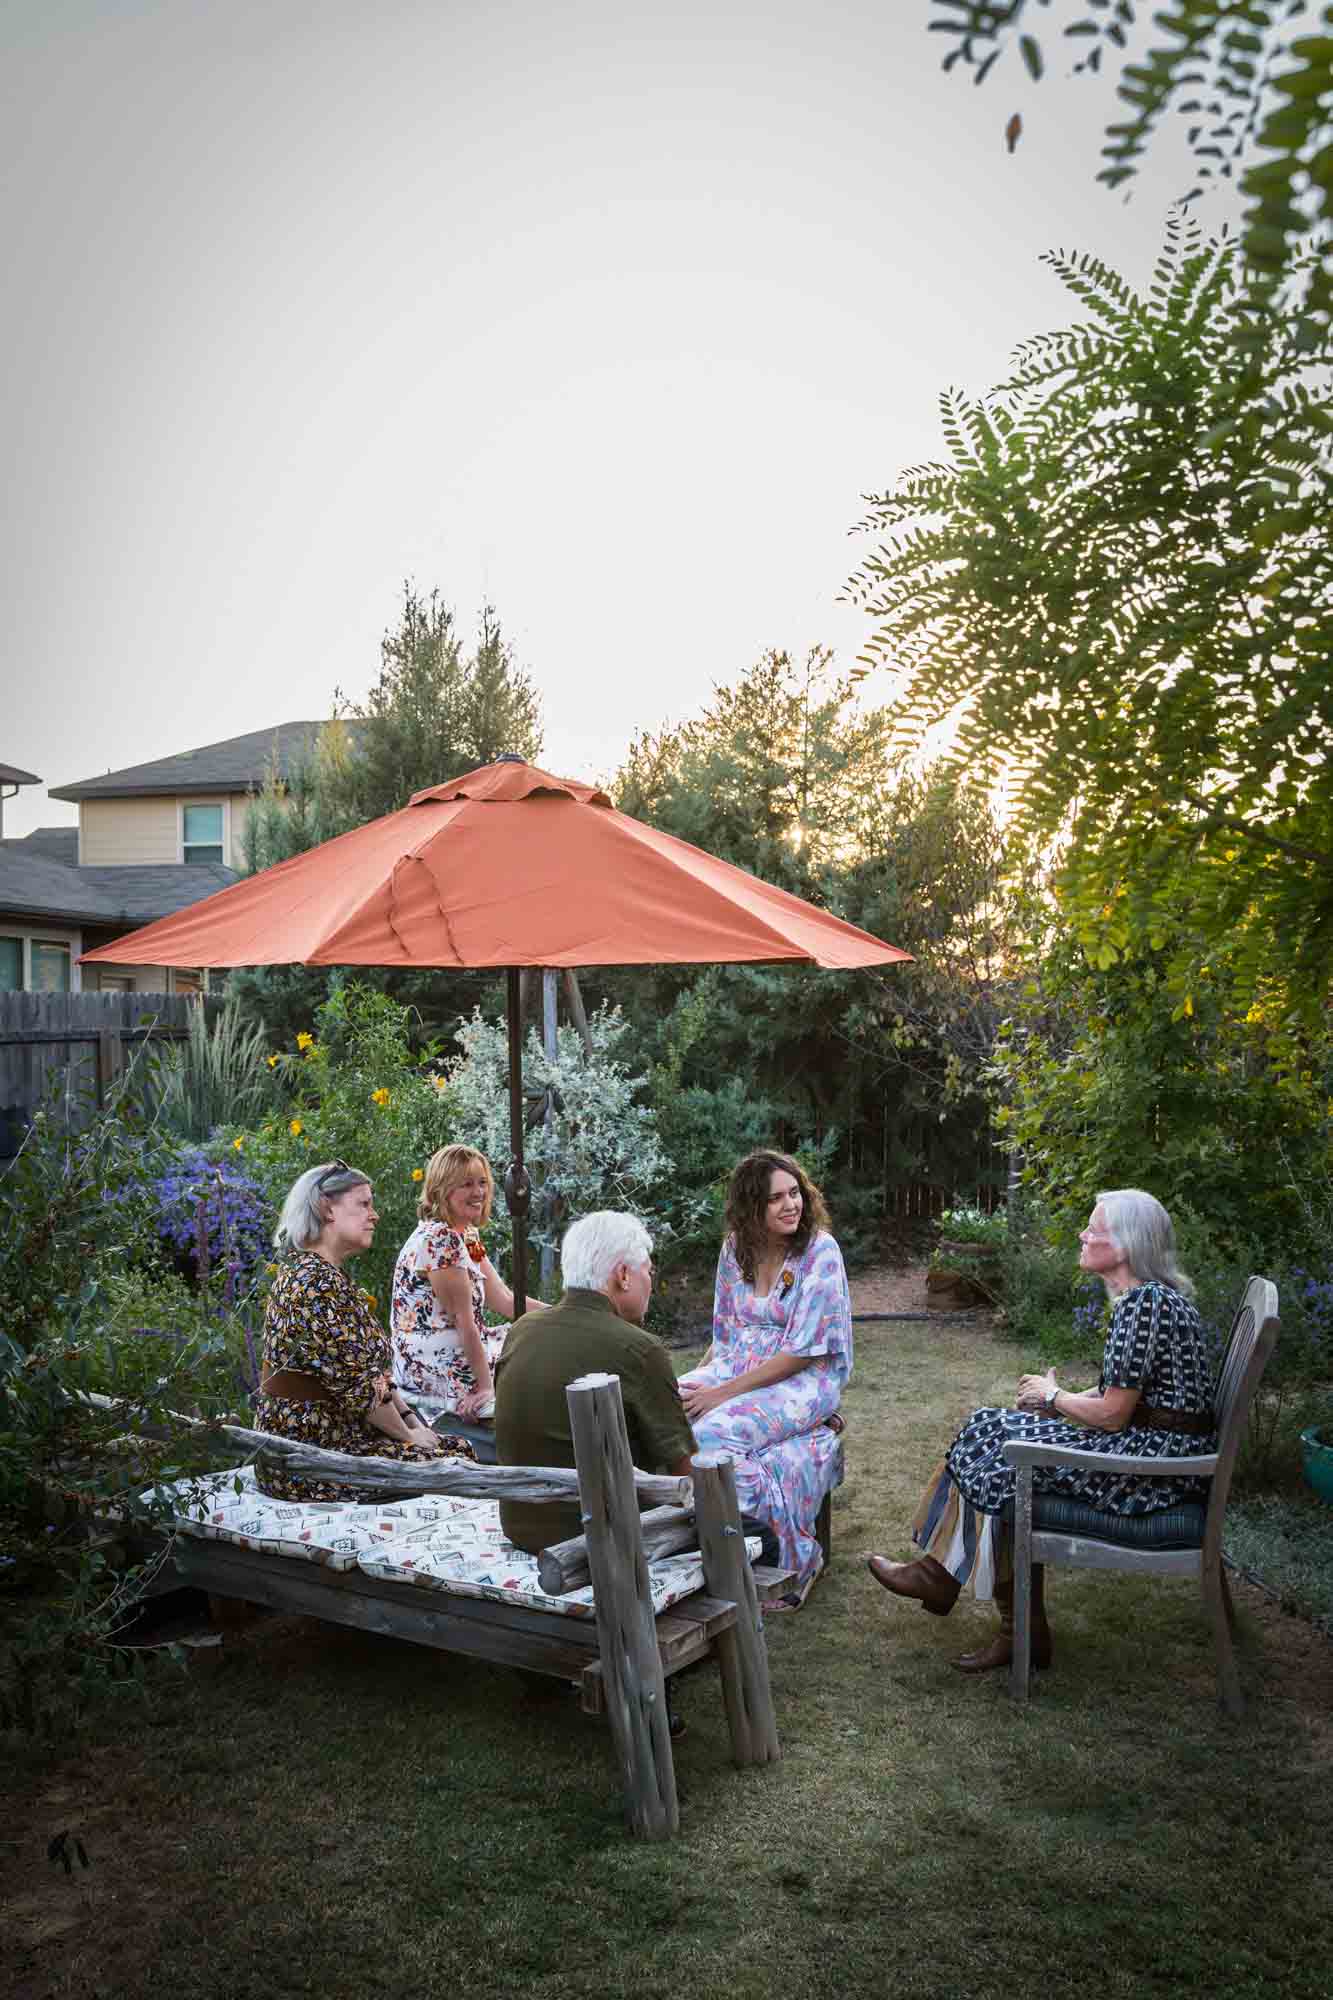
(619, 1661)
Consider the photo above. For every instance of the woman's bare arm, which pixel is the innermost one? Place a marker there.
(454, 1293)
(699, 1401)
(1109, 1409)
(498, 1295)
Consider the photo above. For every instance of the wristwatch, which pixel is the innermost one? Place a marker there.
(1051, 1395)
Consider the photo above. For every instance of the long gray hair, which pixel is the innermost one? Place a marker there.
(304, 1212)
(1142, 1229)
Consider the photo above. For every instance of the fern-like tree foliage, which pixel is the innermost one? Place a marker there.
(1257, 91)
(1120, 584)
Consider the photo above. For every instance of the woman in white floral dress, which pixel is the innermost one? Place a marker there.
(443, 1351)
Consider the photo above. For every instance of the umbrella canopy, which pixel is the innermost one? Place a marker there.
(508, 867)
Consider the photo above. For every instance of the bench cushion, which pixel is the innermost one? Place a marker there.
(1170, 1528)
(472, 1559)
(435, 1542)
(228, 1507)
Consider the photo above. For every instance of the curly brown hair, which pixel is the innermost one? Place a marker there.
(747, 1207)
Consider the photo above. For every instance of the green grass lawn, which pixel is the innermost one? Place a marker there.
(317, 1811)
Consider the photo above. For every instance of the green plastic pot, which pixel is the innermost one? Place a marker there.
(1317, 1462)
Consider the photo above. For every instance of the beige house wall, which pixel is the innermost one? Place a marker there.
(118, 833)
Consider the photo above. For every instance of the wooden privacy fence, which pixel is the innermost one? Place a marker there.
(89, 1037)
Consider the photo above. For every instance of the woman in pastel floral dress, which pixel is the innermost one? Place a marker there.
(443, 1351)
(767, 1391)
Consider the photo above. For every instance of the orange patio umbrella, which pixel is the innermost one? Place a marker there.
(508, 867)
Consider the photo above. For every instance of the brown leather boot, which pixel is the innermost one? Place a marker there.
(1000, 1650)
(925, 1579)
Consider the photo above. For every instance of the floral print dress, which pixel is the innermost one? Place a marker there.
(1157, 1344)
(429, 1364)
(319, 1322)
(785, 1453)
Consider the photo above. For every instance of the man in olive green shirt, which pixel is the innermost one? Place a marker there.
(606, 1262)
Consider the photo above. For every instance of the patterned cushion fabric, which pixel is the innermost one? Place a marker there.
(1171, 1528)
(471, 1558)
(442, 1544)
(228, 1507)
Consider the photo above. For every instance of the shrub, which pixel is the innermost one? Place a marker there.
(357, 1091)
(211, 1215)
(601, 1148)
(76, 1199)
(218, 1076)
(975, 1225)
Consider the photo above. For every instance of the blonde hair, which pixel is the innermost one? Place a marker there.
(445, 1171)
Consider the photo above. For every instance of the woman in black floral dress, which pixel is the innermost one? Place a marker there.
(1154, 1398)
(325, 1377)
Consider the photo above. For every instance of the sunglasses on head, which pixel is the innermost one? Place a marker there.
(331, 1173)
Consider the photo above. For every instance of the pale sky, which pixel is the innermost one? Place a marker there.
(608, 312)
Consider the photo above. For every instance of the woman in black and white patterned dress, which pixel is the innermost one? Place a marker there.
(1154, 1398)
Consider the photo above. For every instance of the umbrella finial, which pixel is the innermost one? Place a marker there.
(510, 757)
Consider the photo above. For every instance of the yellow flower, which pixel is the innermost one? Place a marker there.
(418, 1173)
(305, 1041)
(440, 1083)
(272, 1270)
(237, 1144)
(296, 1128)
(273, 1062)
(380, 1096)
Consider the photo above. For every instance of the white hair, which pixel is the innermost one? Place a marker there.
(597, 1243)
(1141, 1228)
(303, 1214)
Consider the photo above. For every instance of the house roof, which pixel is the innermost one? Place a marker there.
(240, 764)
(32, 884)
(57, 843)
(10, 774)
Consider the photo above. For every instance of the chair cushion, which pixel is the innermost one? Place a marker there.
(1170, 1528)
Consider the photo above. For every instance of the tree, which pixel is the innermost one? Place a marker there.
(1119, 585)
(787, 775)
(1240, 72)
(433, 713)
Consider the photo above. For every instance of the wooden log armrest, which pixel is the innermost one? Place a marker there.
(1018, 1452)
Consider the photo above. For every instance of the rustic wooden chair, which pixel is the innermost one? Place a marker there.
(1182, 1541)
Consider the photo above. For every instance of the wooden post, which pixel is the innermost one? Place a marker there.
(109, 1057)
(665, 1530)
(626, 1627)
(578, 1013)
(742, 1654)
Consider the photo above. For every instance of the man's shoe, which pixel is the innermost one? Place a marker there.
(928, 1581)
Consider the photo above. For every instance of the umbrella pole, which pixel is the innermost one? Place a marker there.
(518, 1188)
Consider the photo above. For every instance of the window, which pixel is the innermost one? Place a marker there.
(50, 967)
(114, 982)
(11, 964)
(201, 833)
